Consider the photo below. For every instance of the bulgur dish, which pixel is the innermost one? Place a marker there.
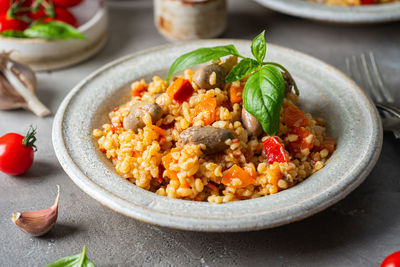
(354, 2)
(192, 137)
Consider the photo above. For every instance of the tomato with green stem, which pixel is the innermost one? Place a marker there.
(17, 152)
(19, 5)
(9, 24)
(61, 14)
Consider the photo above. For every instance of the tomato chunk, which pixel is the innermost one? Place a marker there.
(294, 117)
(139, 88)
(236, 94)
(180, 90)
(206, 111)
(327, 143)
(236, 177)
(368, 2)
(305, 140)
(274, 150)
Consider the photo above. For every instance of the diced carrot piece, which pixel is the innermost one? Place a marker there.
(212, 187)
(206, 111)
(327, 143)
(294, 117)
(236, 94)
(180, 90)
(167, 160)
(305, 140)
(236, 177)
(116, 127)
(274, 150)
(173, 175)
(274, 174)
(138, 88)
(137, 154)
(159, 130)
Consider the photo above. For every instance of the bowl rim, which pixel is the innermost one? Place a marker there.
(180, 222)
(336, 14)
(92, 22)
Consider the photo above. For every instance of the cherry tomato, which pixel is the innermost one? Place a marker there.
(17, 152)
(61, 15)
(66, 3)
(7, 24)
(393, 260)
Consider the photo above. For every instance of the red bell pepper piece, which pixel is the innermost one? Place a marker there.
(274, 150)
(180, 90)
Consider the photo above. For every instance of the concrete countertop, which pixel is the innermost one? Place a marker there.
(358, 231)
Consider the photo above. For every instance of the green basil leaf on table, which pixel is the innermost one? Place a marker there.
(200, 56)
(12, 33)
(78, 260)
(259, 47)
(242, 69)
(53, 30)
(263, 97)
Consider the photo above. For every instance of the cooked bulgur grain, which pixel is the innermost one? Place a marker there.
(155, 158)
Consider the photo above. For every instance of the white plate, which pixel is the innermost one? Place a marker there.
(326, 92)
(43, 54)
(336, 14)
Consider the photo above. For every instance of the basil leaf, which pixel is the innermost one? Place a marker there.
(79, 260)
(53, 30)
(242, 69)
(263, 97)
(199, 56)
(12, 33)
(259, 47)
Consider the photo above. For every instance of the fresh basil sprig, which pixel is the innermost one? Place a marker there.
(53, 30)
(264, 91)
(245, 67)
(78, 260)
(199, 56)
(263, 96)
(13, 33)
(259, 47)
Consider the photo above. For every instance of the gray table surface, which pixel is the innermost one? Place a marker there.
(358, 231)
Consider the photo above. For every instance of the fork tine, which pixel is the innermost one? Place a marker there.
(373, 89)
(378, 76)
(355, 73)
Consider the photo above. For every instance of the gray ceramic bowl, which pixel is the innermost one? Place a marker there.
(336, 14)
(352, 121)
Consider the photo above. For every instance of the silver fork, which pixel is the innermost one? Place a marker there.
(374, 86)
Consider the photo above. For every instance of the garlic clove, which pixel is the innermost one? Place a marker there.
(19, 79)
(37, 223)
(9, 98)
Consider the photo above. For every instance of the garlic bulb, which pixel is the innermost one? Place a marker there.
(37, 223)
(17, 87)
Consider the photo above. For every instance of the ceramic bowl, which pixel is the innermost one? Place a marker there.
(43, 54)
(336, 14)
(326, 92)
